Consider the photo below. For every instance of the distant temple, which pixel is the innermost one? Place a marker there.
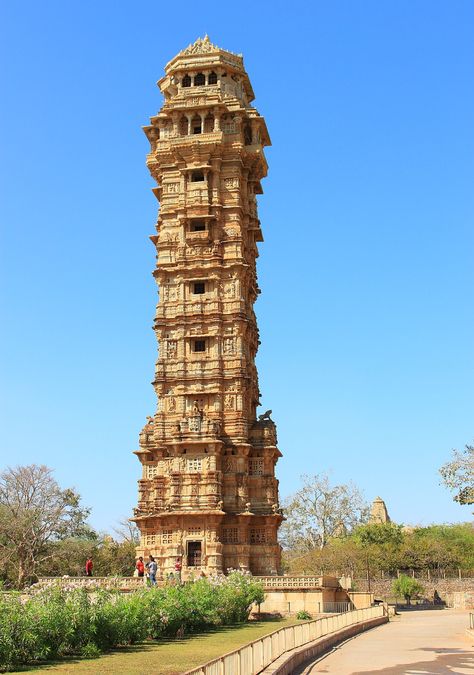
(208, 496)
(378, 512)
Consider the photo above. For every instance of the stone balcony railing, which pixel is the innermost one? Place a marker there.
(167, 309)
(199, 426)
(92, 583)
(164, 145)
(270, 583)
(283, 582)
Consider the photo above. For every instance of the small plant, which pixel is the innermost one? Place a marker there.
(407, 587)
(90, 651)
(303, 615)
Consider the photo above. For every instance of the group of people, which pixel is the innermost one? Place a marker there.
(151, 569)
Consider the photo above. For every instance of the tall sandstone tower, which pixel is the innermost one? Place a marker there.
(208, 495)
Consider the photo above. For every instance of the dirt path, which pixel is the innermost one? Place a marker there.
(414, 643)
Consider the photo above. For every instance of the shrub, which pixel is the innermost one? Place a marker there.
(55, 622)
(303, 615)
(90, 651)
(407, 587)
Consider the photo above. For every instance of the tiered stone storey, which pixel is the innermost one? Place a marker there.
(208, 494)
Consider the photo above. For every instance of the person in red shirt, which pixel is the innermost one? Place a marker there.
(89, 566)
(140, 567)
(177, 568)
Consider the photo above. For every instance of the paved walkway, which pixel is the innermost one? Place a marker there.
(415, 643)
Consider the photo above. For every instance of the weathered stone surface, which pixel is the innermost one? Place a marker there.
(208, 494)
(378, 512)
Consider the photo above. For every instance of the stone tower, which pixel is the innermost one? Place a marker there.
(378, 512)
(208, 494)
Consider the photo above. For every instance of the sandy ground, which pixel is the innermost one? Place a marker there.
(414, 643)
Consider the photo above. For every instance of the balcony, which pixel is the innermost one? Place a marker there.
(198, 237)
(166, 144)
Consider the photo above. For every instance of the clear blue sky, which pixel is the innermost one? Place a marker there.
(366, 314)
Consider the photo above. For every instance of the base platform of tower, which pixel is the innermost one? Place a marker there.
(208, 496)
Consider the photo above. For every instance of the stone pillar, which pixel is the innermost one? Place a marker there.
(217, 120)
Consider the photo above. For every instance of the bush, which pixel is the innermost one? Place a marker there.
(407, 587)
(90, 651)
(55, 622)
(303, 615)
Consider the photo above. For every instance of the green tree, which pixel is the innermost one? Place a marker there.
(35, 512)
(458, 475)
(407, 587)
(380, 543)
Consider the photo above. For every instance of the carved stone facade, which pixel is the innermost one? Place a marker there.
(208, 494)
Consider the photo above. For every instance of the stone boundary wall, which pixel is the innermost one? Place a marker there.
(455, 592)
(286, 664)
(254, 657)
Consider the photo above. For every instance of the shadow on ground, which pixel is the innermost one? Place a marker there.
(151, 645)
(448, 661)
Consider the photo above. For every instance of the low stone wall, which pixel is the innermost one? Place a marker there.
(286, 664)
(264, 655)
(455, 592)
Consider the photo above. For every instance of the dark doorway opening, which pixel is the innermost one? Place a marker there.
(194, 554)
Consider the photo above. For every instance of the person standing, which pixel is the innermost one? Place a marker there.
(140, 567)
(152, 568)
(89, 566)
(177, 568)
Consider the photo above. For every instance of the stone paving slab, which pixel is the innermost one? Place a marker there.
(415, 643)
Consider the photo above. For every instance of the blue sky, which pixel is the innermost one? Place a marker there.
(366, 314)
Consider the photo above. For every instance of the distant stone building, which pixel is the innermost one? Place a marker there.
(378, 512)
(208, 495)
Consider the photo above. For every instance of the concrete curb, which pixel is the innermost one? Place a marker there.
(288, 661)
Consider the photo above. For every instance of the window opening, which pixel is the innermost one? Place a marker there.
(256, 466)
(186, 81)
(199, 287)
(197, 176)
(212, 79)
(194, 465)
(167, 536)
(258, 535)
(230, 535)
(199, 345)
(198, 226)
(197, 130)
(199, 80)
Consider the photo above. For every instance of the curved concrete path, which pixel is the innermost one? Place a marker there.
(416, 642)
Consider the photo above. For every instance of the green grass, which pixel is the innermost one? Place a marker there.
(168, 657)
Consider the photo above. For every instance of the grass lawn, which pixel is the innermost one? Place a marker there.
(168, 657)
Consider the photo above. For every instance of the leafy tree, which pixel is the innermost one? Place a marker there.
(341, 556)
(319, 511)
(438, 548)
(380, 543)
(407, 587)
(458, 475)
(35, 512)
(385, 548)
